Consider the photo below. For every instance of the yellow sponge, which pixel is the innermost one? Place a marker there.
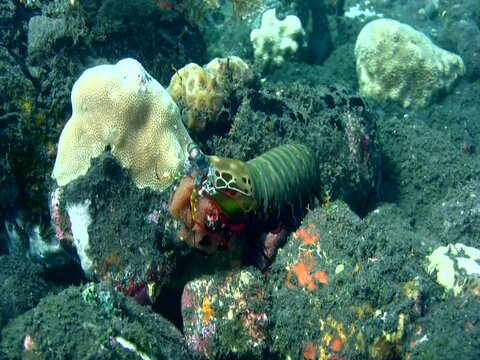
(200, 92)
(123, 108)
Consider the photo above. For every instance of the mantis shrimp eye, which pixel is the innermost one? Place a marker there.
(193, 151)
(198, 159)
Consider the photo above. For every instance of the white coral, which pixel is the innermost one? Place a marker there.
(80, 220)
(277, 40)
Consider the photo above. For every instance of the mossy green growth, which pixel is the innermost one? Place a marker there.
(94, 296)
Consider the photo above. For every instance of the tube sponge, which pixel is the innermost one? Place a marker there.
(123, 108)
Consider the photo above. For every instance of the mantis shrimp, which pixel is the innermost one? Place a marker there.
(218, 198)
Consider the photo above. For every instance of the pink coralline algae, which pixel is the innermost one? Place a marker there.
(153, 217)
(59, 221)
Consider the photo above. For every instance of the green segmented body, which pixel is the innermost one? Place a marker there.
(283, 175)
(265, 184)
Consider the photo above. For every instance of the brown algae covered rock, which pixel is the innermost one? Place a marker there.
(91, 322)
(452, 326)
(115, 229)
(334, 122)
(121, 116)
(425, 174)
(344, 287)
(226, 315)
(22, 285)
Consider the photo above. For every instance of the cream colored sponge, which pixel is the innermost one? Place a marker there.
(277, 40)
(123, 108)
(396, 62)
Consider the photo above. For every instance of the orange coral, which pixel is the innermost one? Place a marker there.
(310, 351)
(304, 274)
(207, 310)
(302, 271)
(336, 344)
(321, 276)
(306, 235)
